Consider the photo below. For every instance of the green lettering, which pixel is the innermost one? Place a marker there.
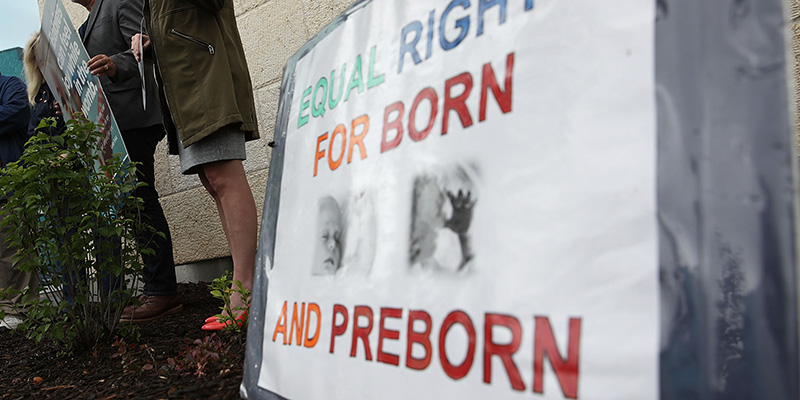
(373, 80)
(318, 109)
(304, 103)
(356, 81)
(331, 102)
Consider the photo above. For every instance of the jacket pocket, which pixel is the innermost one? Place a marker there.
(194, 40)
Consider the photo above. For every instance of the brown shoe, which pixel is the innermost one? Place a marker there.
(152, 307)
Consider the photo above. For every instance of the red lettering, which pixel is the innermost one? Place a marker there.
(489, 81)
(396, 125)
(422, 338)
(361, 332)
(457, 371)
(311, 342)
(429, 94)
(384, 333)
(504, 351)
(338, 330)
(319, 153)
(459, 104)
(545, 345)
(341, 130)
(297, 324)
(358, 139)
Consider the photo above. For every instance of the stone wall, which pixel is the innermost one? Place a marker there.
(272, 31)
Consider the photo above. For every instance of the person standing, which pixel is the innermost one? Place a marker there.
(209, 113)
(43, 103)
(106, 36)
(14, 116)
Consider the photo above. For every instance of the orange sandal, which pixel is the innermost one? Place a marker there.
(216, 325)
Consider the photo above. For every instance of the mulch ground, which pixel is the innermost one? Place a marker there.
(165, 363)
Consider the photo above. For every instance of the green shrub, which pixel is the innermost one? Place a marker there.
(73, 224)
(221, 289)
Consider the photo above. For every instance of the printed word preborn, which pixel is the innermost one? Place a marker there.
(396, 120)
(355, 327)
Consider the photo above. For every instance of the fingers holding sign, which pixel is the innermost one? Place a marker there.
(102, 65)
(139, 44)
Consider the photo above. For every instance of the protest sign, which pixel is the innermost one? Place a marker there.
(63, 61)
(438, 173)
(531, 199)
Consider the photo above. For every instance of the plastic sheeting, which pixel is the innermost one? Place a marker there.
(726, 203)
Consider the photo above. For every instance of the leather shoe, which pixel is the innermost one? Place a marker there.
(152, 307)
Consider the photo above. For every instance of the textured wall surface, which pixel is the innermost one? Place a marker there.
(271, 31)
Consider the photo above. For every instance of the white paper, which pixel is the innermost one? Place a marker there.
(561, 188)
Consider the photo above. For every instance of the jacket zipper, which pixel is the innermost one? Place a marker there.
(193, 39)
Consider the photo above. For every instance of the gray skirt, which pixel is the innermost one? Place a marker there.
(227, 143)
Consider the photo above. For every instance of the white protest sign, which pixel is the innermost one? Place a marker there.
(468, 206)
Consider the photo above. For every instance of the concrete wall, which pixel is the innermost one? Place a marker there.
(271, 31)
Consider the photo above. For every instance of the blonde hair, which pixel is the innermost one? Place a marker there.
(33, 76)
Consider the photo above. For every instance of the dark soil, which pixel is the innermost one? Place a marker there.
(157, 366)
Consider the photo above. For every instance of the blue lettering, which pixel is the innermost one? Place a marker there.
(406, 47)
(430, 35)
(484, 5)
(462, 24)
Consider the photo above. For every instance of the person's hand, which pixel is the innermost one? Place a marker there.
(57, 109)
(462, 212)
(135, 39)
(102, 65)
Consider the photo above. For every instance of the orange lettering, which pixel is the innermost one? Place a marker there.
(281, 325)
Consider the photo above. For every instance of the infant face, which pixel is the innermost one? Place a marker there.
(328, 243)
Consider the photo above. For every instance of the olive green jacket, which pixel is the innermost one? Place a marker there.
(204, 76)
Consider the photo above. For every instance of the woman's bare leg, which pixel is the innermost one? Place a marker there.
(227, 183)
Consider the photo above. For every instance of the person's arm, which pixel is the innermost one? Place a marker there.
(46, 107)
(145, 42)
(130, 21)
(14, 108)
(121, 66)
